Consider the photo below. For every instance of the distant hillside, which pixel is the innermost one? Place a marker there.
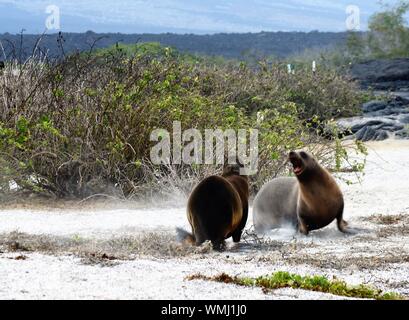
(279, 44)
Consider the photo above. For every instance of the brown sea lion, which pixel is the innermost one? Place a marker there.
(241, 183)
(310, 201)
(218, 209)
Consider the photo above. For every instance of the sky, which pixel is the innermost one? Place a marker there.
(181, 16)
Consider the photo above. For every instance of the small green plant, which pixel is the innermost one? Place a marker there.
(312, 283)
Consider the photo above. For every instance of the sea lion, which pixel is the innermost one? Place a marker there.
(241, 183)
(309, 201)
(218, 209)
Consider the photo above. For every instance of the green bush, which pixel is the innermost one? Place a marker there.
(387, 37)
(81, 126)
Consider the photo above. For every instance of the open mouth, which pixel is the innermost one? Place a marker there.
(298, 167)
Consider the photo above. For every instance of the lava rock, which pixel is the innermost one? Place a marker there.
(368, 122)
(374, 106)
(381, 135)
(405, 120)
(370, 128)
(381, 119)
(366, 134)
(403, 134)
(382, 74)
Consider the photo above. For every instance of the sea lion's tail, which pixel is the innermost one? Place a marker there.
(185, 237)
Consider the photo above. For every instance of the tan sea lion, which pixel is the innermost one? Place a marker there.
(218, 209)
(310, 201)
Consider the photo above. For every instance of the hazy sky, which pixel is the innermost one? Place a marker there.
(183, 16)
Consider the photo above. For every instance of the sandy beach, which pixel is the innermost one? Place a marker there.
(95, 253)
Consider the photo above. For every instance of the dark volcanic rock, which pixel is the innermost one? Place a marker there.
(381, 135)
(373, 106)
(369, 134)
(389, 112)
(405, 120)
(382, 74)
(366, 134)
(402, 98)
(381, 119)
(358, 123)
(403, 134)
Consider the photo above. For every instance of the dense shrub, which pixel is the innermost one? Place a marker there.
(81, 126)
(325, 94)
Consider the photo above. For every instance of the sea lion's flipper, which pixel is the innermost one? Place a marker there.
(342, 225)
(185, 237)
(219, 245)
(302, 227)
(237, 235)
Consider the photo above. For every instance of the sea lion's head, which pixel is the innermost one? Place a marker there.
(303, 163)
(233, 167)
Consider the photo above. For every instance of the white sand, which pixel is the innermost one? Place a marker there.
(384, 190)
